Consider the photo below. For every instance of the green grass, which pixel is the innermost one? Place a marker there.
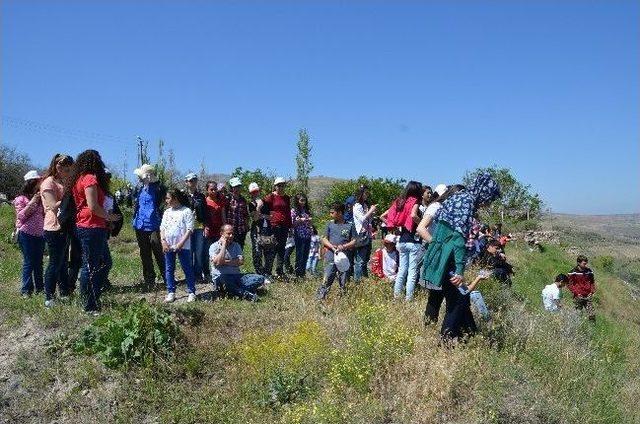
(361, 358)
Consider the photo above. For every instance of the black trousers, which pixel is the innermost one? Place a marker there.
(281, 241)
(149, 244)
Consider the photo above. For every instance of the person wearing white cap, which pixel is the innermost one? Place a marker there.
(384, 262)
(148, 200)
(238, 212)
(29, 225)
(339, 238)
(56, 235)
(197, 204)
(255, 206)
(277, 211)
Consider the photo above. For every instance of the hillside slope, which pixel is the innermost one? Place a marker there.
(361, 358)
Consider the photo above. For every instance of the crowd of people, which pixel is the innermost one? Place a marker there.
(429, 238)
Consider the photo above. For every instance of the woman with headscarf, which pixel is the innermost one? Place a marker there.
(444, 261)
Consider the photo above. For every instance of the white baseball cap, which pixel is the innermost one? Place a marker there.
(190, 176)
(390, 238)
(235, 182)
(440, 189)
(32, 175)
(253, 187)
(279, 180)
(341, 261)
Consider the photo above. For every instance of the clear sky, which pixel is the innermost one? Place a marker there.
(417, 89)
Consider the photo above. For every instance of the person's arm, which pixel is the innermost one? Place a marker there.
(423, 228)
(383, 217)
(188, 217)
(459, 254)
(475, 282)
(24, 212)
(415, 216)
(327, 244)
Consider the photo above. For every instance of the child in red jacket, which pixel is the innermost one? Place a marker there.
(384, 261)
(583, 285)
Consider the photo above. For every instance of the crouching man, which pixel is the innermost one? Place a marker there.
(226, 258)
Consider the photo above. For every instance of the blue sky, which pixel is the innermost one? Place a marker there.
(419, 90)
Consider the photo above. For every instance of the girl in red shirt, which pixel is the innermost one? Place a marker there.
(276, 209)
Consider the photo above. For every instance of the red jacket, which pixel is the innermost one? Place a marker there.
(375, 263)
(581, 282)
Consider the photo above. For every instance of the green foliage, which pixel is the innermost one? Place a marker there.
(13, 165)
(284, 366)
(376, 343)
(303, 162)
(517, 198)
(248, 176)
(382, 191)
(605, 262)
(141, 334)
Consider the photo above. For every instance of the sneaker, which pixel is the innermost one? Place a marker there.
(191, 297)
(93, 313)
(26, 295)
(48, 303)
(170, 297)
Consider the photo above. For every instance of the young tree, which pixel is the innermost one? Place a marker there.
(247, 176)
(303, 161)
(13, 166)
(518, 202)
(383, 191)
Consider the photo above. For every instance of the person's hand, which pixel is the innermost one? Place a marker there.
(165, 247)
(337, 248)
(456, 280)
(206, 232)
(373, 208)
(35, 199)
(178, 247)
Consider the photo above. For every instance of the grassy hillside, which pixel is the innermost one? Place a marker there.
(360, 358)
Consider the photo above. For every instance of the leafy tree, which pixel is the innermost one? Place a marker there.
(382, 191)
(303, 161)
(13, 166)
(247, 176)
(518, 202)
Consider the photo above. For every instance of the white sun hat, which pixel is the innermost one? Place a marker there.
(145, 171)
(32, 175)
(253, 187)
(440, 189)
(341, 261)
(279, 180)
(190, 176)
(235, 182)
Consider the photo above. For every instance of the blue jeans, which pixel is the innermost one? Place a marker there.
(330, 274)
(200, 255)
(32, 248)
(478, 301)
(93, 274)
(243, 286)
(184, 256)
(361, 262)
(56, 273)
(302, 254)
(409, 258)
(312, 263)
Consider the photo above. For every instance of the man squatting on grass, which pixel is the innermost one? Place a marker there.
(226, 258)
(582, 284)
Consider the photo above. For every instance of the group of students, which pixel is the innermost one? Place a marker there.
(427, 240)
(581, 283)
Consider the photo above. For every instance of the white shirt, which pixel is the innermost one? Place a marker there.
(176, 222)
(359, 221)
(390, 264)
(431, 211)
(550, 296)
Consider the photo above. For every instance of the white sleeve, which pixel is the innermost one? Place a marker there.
(188, 218)
(165, 220)
(358, 216)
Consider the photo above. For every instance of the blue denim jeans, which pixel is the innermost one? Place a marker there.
(56, 273)
(330, 274)
(32, 248)
(200, 255)
(408, 267)
(312, 264)
(94, 270)
(302, 254)
(361, 262)
(184, 256)
(478, 302)
(243, 286)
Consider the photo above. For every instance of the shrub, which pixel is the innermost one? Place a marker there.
(605, 262)
(140, 334)
(376, 343)
(284, 366)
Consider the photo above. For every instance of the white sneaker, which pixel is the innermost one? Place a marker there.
(170, 297)
(191, 297)
(48, 303)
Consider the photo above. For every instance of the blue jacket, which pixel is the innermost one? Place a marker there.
(147, 208)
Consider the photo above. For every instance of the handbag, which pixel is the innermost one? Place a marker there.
(267, 242)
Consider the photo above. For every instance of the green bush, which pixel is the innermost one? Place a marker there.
(606, 263)
(376, 343)
(382, 191)
(140, 334)
(283, 366)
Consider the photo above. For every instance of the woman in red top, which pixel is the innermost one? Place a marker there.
(88, 185)
(276, 209)
(216, 212)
